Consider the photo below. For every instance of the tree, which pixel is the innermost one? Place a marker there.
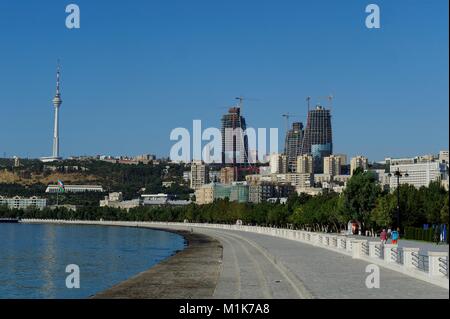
(384, 211)
(444, 211)
(360, 196)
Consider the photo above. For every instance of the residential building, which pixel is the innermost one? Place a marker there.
(305, 164)
(18, 202)
(269, 190)
(278, 163)
(205, 194)
(332, 165)
(227, 175)
(358, 162)
(343, 158)
(199, 174)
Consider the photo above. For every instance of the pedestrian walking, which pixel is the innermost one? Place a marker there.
(383, 237)
(395, 235)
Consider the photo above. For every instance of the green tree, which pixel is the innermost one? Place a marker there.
(360, 196)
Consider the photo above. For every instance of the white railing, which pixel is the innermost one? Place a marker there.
(432, 267)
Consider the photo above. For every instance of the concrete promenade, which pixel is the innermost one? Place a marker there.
(256, 265)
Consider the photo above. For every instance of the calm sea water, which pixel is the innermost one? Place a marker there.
(33, 258)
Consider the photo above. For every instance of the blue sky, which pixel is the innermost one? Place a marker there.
(137, 69)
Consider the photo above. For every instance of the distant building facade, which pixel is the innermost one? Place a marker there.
(199, 174)
(305, 164)
(74, 188)
(358, 162)
(293, 145)
(318, 139)
(332, 165)
(419, 174)
(18, 202)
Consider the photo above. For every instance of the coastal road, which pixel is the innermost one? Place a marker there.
(262, 266)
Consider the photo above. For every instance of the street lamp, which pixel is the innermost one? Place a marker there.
(398, 174)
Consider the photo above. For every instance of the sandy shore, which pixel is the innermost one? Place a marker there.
(191, 273)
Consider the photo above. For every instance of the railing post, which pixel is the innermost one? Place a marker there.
(438, 263)
(388, 248)
(357, 248)
(333, 241)
(348, 244)
(373, 249)
(341, 242)
(408, 257)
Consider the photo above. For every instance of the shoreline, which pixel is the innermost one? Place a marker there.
(189, 273)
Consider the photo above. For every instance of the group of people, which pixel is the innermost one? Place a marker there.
(394, 235)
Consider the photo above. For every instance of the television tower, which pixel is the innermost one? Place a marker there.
(56, 103)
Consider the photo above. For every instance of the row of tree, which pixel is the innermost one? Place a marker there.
(363, 200)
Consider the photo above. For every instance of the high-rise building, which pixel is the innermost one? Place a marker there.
(293, 145)
(332, 165)
(234, 139)
(305, 164)
(317, 140)
(199, 174)
(358, 162)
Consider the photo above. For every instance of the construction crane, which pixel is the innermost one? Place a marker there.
(287, 116)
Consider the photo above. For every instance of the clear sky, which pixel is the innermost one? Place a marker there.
(137, 69)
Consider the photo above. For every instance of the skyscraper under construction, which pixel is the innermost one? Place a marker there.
(234, 139)
(317, 140)
(293, 145)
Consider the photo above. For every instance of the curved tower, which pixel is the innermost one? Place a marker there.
(56, 103)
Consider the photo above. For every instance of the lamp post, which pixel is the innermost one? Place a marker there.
(398, 174)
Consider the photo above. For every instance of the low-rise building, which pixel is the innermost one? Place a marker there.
(418, 174)
(74, 188)
(18, 202)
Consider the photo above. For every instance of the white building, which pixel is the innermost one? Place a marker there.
(116, 200)
(443, 157)
(419, 174)
(18, 202)
(74, 188)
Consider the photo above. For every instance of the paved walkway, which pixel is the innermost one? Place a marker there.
(262, 266)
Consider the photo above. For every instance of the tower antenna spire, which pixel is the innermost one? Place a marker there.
(58, 72)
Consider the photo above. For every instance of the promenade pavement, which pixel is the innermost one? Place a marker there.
(262, 266)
